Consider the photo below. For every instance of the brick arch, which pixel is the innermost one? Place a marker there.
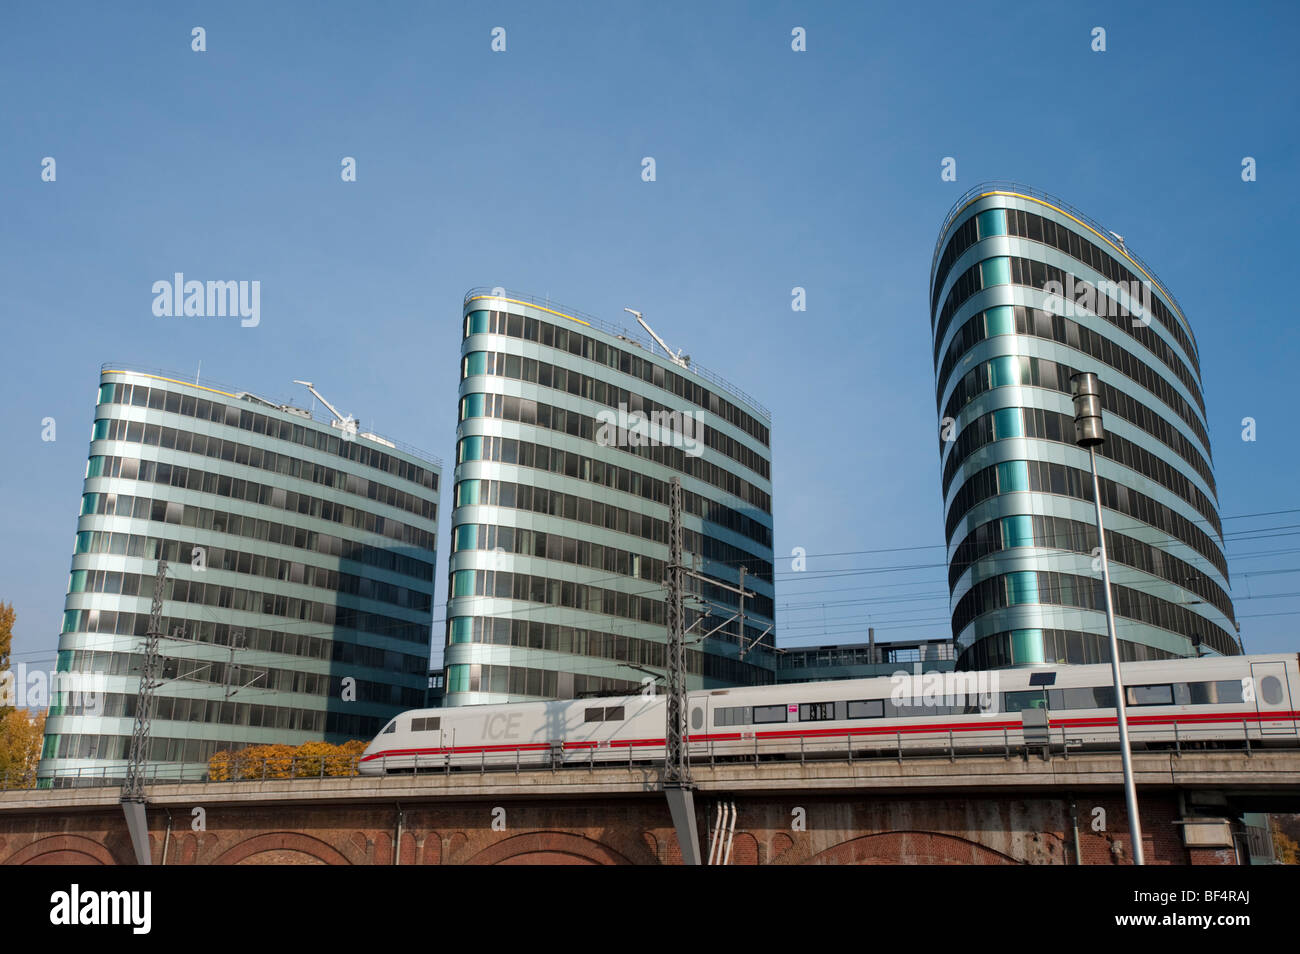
(289, 845)
(744, 849)
(781, 843)
(548, 848)
(63, 850)
(910, 847)
(457, 845)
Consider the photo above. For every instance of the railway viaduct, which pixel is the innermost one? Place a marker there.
(989, 810)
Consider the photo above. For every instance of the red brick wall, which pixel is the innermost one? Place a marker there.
(837, 830)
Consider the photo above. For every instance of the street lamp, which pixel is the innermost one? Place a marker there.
(1088, 432)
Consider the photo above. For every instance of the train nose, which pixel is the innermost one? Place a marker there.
(366, 764)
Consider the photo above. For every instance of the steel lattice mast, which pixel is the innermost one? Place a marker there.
(133, 798)
(677, 761)
(677, 783)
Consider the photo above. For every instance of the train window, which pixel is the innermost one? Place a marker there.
(1150, 695)
(769, 714)
(1088, 697)
(734, 715)
(1229, 690)
(425, 725)
(1270, 687)
(816, 711)
(1029, 699)
(867, 709)
(391, 727)
(595, 715)
(614, 714)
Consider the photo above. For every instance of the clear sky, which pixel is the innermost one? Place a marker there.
(522, 168)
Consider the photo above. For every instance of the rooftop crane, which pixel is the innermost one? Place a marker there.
(676, 357)
(348, 425)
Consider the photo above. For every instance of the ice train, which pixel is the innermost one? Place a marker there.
(1212, 701)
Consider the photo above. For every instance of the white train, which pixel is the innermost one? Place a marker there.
(1192, 702)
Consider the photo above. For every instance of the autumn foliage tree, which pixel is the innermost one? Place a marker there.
(309, 760)
(21, 730)
(21, 734)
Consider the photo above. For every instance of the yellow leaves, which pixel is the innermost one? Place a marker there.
(21, 733)
(309, 760)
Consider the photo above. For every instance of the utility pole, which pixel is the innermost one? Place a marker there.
(133, 797)
(677, 782)
(1089, 433)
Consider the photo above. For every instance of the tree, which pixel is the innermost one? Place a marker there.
(21, 730)
(21, 734)
(1285, 849)
(309, 760)
(6, 647)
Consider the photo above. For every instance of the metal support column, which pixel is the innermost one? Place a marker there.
(677, 782)
(133, 797)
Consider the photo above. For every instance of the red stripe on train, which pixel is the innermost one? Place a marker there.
(916, 727)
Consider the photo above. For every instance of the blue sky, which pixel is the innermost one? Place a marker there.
(775, 169)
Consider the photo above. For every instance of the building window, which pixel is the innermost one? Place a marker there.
(991, 222)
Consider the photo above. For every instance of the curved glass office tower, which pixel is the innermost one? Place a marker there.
(569, 433)
(1026, 291)
(300, 577)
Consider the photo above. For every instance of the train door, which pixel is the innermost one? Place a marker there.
(697, 727)
(1273, 696)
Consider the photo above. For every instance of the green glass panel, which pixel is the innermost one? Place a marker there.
(472, 406)
(1018, 531)
(467, 493)
(1022, 587)
(458, 679)
(1013, 476)
(462, 629)
(105, 394)
(100, 431)
(1007, 423)
(77, 581)
(88, 503)
(471, 448)
(95, 467)
(462, 583)
(995, 271)
(991, 222)
(466, 537)
(83, 542)
(69, 626)
(1000, 320)
(478, 322)
(1026, 646)
(475, 363)
(1004, 370)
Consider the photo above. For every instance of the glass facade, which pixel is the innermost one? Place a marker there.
(568, 435)
(299, 589)
(1025, 293)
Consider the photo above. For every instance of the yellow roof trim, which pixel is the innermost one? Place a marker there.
(1127, 257)
(159, 377)
(529, 304)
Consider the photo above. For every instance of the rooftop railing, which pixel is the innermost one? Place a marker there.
(1019, 188)
(321, 418)
(620, 331)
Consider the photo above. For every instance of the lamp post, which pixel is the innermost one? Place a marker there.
(1088, 432)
